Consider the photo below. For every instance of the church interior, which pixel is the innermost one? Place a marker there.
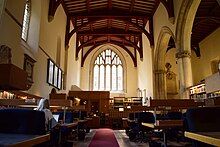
(109, 73)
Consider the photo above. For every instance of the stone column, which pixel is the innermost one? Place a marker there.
(160, 84)
(185, 72)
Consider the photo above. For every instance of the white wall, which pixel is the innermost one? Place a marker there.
(49, 32)
(209, 49)
(74, 67)
(160, 20)
(11, 31)
(145, 69)
(131, 72)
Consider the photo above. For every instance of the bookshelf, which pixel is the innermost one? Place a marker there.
(125, 102)
(198, 92)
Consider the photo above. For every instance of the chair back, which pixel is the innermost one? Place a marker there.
(22, 121)
(203, 119)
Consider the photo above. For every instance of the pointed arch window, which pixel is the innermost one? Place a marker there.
(26, 20)
(108, 72)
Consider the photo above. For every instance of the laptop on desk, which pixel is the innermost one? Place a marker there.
(55, 120)
(56, 117)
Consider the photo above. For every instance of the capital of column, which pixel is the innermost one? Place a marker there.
(159, 71)
(183, 54)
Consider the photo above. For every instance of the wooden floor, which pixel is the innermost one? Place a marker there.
(123, 141)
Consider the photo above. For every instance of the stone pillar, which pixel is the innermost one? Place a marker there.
(160, 84)
(185, 72)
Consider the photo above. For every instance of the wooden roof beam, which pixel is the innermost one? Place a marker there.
(88, 6)
(218, 2)
(107, 14)
(132, 5)
(111, 31)
(109, 4)
(134, 58)
(123, 39)
(53, 5)
(141, 29)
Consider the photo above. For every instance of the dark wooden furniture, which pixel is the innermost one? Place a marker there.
(12, 77)
(164, 125)
(212, 138)
(25, 140)
(100, 97)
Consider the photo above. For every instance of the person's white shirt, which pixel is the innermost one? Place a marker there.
(50, 122)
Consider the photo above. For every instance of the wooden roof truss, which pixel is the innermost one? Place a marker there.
(119, 22)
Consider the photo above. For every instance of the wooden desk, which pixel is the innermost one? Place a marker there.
(130, 121)
(69, 125)
(22, 140)
(82, 121)
(212, 138)
(164, 125)
(88, 118)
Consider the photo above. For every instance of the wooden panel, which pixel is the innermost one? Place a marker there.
(33, 102)
(181, 103)
(86, 95)
(17, 102)
(94, 123)
(62, 96)
(102, 97)
(12, 77)
(58, 102)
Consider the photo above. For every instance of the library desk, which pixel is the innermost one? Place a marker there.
(21, 140)
(212, 138)
(164, 125)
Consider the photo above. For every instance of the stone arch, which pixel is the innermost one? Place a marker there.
(118, 52)
(184, 26)
(159, 63)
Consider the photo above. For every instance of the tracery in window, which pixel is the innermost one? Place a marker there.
(108, 72)
(26, 20)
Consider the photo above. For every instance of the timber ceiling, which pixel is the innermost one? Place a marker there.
(120, 22)
(207, 20)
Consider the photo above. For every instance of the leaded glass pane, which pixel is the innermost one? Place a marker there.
(120, 77)
(96, 78)
(26, 21)
(102, 78)
(114, 79)
(108, 77)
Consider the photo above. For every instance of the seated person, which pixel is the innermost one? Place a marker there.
(49, 119)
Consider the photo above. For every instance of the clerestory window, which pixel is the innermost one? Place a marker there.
(26, 20)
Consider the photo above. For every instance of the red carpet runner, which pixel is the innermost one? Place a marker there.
(104, 138)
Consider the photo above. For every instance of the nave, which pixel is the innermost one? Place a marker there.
(123, 141)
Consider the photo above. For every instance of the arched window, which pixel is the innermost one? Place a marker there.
(26, 20)
(108, 72)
